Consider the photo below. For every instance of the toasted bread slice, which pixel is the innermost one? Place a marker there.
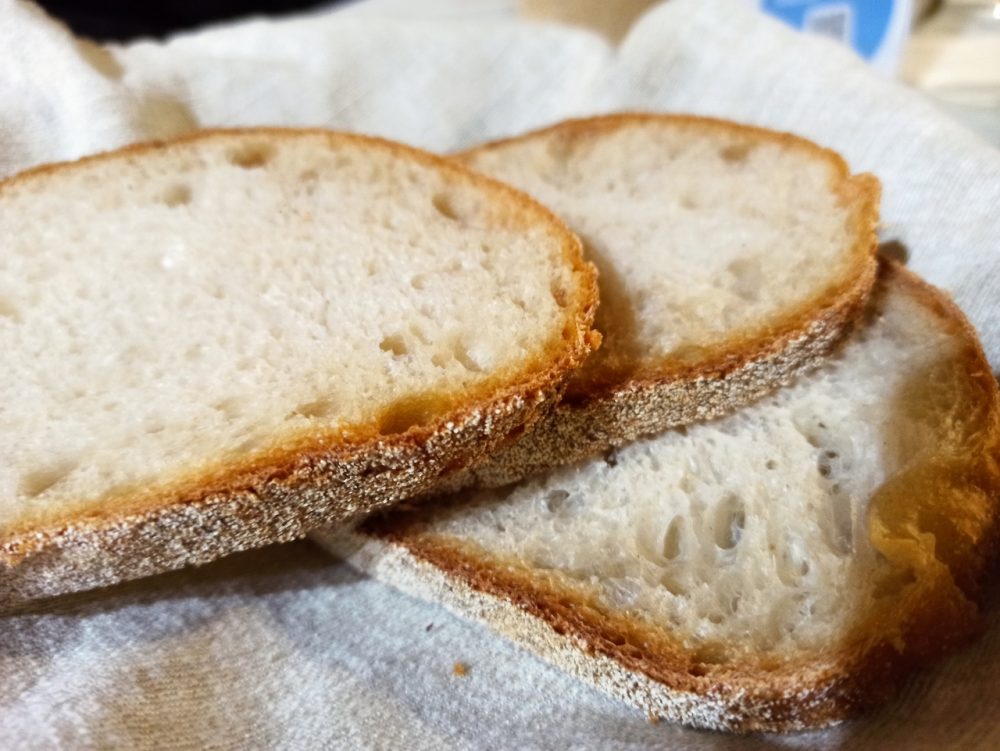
(776, 569)
(731, 258)
(219, 342)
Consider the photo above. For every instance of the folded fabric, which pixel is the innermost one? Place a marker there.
(285, 648)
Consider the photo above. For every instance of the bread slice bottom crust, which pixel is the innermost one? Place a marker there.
(943, 537)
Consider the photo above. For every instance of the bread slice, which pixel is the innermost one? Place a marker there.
(731, 258)
(220, 342)
(775, 569)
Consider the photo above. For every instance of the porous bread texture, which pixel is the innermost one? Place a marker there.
(731, 258)
(772, 570)
(251, 315)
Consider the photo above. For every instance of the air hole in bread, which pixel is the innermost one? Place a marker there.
(688, 201)
(838, 526)
(440, 359)
(419, 334)
(747, 278)
(36, 482)
(730, 518)
(672, 585)
(443, 205)
(671, 546)
(9, 310)
(555, 499)
(153, 427)
(230, 408)
(410, 412)
(771, 464)
(418, 281)
(394, 344)
(736, 153)
(812, 439)
(315, 409)
(178, 194)
(252, 155)
(828, 460)
(559, 294)
(461, 353)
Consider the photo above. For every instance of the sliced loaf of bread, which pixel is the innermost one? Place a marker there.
(776, 569)
(219, 342)
(731, 258)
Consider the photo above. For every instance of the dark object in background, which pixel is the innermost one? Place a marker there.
(106, 20)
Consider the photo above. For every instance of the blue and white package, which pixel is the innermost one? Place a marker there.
(875, 29)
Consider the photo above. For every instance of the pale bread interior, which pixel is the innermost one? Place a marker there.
(771, 533)
(703, 233)
(210, 301)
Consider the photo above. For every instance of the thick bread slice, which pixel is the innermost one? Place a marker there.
(773, 570)
(220, 342)
(731, 258)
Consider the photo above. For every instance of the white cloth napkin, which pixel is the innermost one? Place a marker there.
(286, 648)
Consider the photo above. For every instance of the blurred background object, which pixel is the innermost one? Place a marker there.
(954, 56)
(106, 20)
(875, 29)
(613, 20)
(950, 49)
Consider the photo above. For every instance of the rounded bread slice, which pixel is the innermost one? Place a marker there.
(776, 569)
(731, 258)
(219, 342)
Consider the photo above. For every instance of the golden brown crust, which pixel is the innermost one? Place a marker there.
(945, 537)
(308, 479)
(618, 400)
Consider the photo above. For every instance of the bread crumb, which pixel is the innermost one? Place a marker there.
(653, 719)
(461, 669)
